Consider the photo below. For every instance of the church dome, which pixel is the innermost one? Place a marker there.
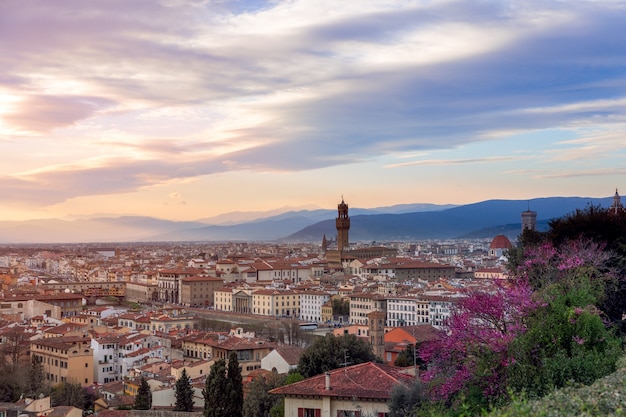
(500, 242)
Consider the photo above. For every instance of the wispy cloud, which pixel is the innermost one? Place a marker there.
(175, 90)
(583, 173)
(455, 161)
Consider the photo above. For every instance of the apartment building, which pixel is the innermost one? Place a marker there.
(276, 303)
(249, 351)
(361, 304)
(199, 291)
(409, 270)
(311, 303)
(407, 311)
(65, 359)
(69, 304)
(223, 299)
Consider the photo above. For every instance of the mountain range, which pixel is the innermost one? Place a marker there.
(403, 222)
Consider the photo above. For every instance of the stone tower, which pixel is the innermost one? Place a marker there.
(529, 220)
(617, 206)
(343, 226)
(376, 321)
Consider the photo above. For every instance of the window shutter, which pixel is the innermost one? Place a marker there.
(318, 412)
(300, 412)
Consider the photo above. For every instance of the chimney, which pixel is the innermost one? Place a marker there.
(327, 381)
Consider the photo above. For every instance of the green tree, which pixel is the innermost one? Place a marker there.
(592, 224)
(36, 382)
(143, 400)
(330, 352)
(293, 377)
(69, 393)
(234, 387)
(406, 400)
(214, 390)
(258, 401)
(184, 393)
(340, 307)
(566, 340)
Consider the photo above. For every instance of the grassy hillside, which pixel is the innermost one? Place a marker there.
(605, 397)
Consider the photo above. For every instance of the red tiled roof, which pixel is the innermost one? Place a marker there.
(500, 242)
(365, 381)
(291, 354)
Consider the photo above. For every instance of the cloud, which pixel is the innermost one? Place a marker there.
(37, 114)
(172, 90)
(455, 161)
(583, 173)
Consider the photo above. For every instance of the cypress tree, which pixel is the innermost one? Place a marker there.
(143, 400)
(234, 403)
(215, 390)
(184, 393)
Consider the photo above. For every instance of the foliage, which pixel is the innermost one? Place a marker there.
(15, 347)
(567, 340)
(233, 406)
(407, 357)
(184, 393)
(143, 400)
(293, 377)
(9, 389)
(472, 356)
(405, 401)
(223, 390)
(215, 390)
(36, 383)
(330, 352)
(69, 393)
(259, 402)
(592, 224)
(605, 397)
(340, 307)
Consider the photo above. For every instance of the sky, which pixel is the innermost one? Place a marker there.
(186, 109)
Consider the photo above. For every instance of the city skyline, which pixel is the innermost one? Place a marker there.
(187, 109)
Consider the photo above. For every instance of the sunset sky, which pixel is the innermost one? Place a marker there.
(185, 109)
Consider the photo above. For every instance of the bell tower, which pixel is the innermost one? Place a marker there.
(617, 206)
(343, 226)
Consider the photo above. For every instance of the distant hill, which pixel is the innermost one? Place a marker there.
(401, 222)
(456, 222)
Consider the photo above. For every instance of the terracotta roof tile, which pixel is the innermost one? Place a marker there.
(366, 381)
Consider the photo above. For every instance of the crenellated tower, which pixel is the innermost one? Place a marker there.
(529, 220)
(343, 226)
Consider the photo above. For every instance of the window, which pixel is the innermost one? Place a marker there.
(348, 413)
(309, 412)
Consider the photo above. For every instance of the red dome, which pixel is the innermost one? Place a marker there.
(500, 242)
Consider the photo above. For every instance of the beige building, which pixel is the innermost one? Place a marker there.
(25, 310)
(362, 304)
(65, 359)
(140, 292)
(199, 291)
(249, 351)
(223, 299)
(327, 312)
(198, 345)
(69, 304)
(276, 303)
